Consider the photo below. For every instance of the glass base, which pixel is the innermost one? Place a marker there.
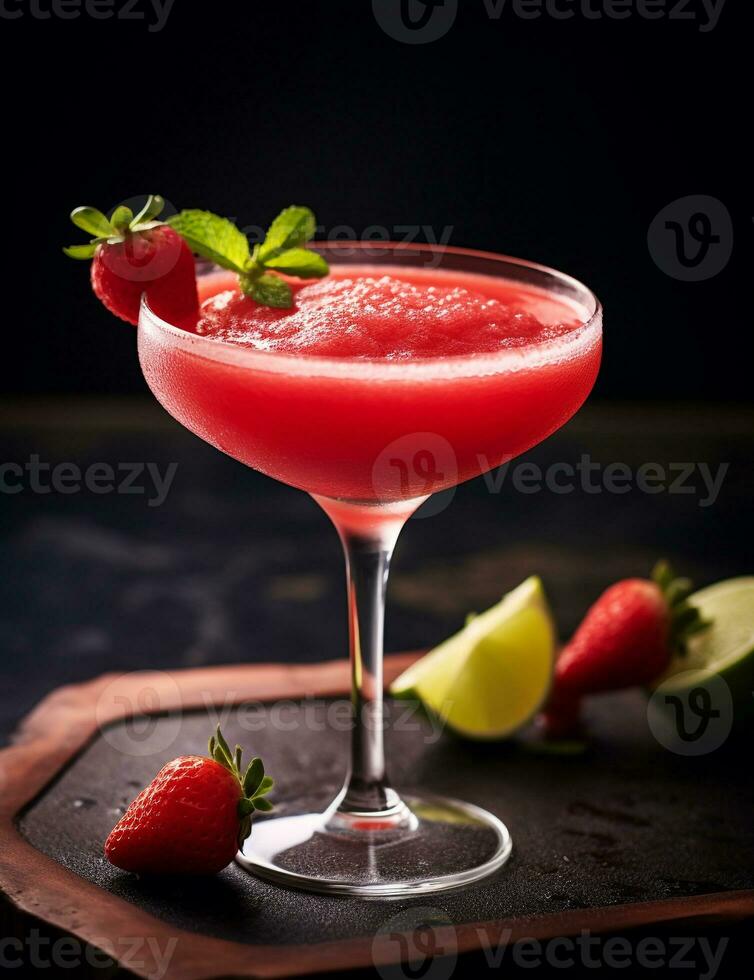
(428, 844)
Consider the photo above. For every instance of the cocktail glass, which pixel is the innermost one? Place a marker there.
(370, 441)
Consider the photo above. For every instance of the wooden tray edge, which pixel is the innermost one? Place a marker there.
(68, 718)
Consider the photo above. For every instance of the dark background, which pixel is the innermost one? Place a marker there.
(558, 141)
(555, 140)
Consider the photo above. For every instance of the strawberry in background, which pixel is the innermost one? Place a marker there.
(627, 639)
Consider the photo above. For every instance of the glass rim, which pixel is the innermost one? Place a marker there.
(555, 349)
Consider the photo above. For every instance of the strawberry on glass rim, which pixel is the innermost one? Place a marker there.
(136, 254)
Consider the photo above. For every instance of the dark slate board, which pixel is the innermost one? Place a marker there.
(627, 822)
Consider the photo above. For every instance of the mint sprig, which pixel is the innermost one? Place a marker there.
(254, 784)
(220, 241)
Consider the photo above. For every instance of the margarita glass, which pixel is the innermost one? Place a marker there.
(370, 439)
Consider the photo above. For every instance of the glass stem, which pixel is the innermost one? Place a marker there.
(368, 534)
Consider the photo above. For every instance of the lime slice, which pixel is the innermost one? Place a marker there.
(492, 677)
(726, 648)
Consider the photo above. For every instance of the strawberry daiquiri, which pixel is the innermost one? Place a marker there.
(337, 396)
(369, 377)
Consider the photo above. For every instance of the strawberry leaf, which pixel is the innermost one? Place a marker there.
(92, 221)
(662, 574)
(685, 619)
(244, 830)
(265, 786)
(223, 744)
(679, 590)
(222, 757)
(154, 205)
(245, 807)
(253, 777)
(81, 251)
(260, 803)
(121, 219)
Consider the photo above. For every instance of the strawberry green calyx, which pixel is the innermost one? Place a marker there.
(253, 782)
(282, 251)
(685, 620)
(121, 223)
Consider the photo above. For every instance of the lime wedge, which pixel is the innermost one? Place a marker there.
(492, 677)
(726, 648)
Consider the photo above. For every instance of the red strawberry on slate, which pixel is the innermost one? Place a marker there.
(193, 816)
(626, 639)
(135, 255)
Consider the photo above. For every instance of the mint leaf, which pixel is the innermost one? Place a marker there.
(292, 227)
(92, 221)
(81, 251)
(213, 237)
(269, 290)
(260, 803)
(301, 262)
